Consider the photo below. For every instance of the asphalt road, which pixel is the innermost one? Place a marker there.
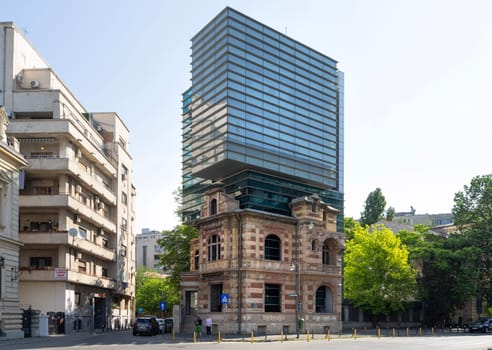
(124, 340)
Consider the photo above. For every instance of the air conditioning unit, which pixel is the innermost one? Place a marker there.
(78, 189)
(78, 153)
(78, 219)
(102, 206)
(79, 255)
(97, 200)
(20, 78)
(34, 84)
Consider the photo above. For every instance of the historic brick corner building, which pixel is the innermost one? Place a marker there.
(262, 262)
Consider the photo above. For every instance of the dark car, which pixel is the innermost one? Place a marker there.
(481, 325)
(146, 325)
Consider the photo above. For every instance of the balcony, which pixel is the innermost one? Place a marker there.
(27, 200)
(51, 274)
(61, 165)
(63, 238)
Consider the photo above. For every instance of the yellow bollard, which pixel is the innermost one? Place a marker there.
(355, 333)
(172, 333)
(432, 331)
(281, 336)
(307, 336)
(408, 332)
(420, 331)
(328, 335)
(252, 337)
(394, 332)
(379, 332)
(218, 337)
(194, 337)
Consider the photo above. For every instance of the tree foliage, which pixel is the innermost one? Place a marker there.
(175, 257)
(373, 208)
(378, 276)
(390, 213)
(152, 289)
(472, 213)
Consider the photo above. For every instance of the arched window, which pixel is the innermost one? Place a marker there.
(197, 260)
(214, 248)
(213, 206)
(272, 247)
(324, 300)
(326, 253)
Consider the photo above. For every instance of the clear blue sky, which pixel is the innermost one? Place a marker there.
(418, 83)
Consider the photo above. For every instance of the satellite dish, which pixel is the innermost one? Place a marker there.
(73, 232)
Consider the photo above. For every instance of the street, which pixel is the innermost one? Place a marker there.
(122, 340)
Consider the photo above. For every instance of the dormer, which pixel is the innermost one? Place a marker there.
(216, 202)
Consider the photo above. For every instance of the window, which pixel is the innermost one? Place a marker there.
(214, 248)
(105, 272)
(197, 259)
(213, 206)
(124, 198)
(82, 266)
(124, 223)
(144, 255)
(77, 298)
(215, 293)
(314, 245)
(40, 262)
(272, 247)
(272, 298)
(324, 300)
(326, 253)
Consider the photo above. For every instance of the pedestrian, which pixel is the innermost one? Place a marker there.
(198, 326)
(208, 326)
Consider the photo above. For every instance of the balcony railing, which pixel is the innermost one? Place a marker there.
(50, 273)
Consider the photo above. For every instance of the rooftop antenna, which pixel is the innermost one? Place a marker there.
(285, 30)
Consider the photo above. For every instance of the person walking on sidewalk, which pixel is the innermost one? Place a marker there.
(208, 326)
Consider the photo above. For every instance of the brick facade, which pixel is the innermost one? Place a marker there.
(242, 271)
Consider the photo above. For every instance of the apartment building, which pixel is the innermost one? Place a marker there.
(148, 249)
(10, 163)
(76, 200)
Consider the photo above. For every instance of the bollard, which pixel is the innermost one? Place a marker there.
(432, 331)
(281, 336)
(354, 335)
(420, 331)
(307, 336)
(328, 334)
(365, 331)
(172, 334)
(394, 332)
(194, 337)
(408, 332)
(218, 337)
(379, 332)
(252, 337)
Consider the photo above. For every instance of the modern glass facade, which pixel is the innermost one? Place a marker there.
(264, 116)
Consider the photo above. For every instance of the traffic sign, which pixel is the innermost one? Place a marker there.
(224, 299)
(162, 305)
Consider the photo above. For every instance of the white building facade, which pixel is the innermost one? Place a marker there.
(148, 249)
(10, 163)
(76, 203)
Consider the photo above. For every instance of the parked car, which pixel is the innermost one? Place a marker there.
(483, 324)
(146, 325)
(162, 326)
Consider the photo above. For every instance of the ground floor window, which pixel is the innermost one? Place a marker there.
(272, 298)
(324, 300)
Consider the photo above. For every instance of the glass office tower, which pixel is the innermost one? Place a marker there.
(263, 117)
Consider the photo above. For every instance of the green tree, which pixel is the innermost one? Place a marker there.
(152, 289)
(374, 208)
(378, 277)
(472, 213)
(390, 213)
(175, 256)
(348, 227)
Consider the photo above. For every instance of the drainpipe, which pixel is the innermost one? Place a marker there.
(4, 65)
(239, 271)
